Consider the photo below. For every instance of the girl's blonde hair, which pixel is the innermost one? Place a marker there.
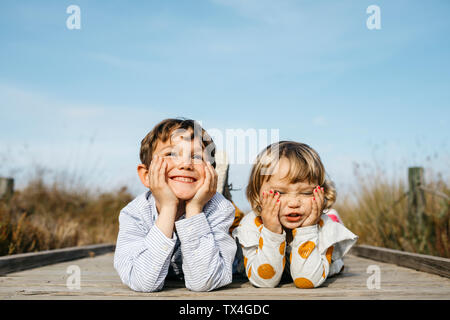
(305, 164)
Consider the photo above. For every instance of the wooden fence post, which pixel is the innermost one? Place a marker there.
(416, 196)
(6, 188)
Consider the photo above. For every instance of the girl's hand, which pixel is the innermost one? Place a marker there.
(316, 208)
(164, 196)
(270, 210)
(205, 193)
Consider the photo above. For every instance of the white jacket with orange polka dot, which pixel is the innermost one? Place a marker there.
(314, 254)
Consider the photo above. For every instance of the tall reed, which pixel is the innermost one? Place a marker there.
(45, 216)
(376, 209)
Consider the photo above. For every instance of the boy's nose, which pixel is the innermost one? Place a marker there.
(185, 163)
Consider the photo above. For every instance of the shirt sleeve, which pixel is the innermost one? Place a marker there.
(207, 248)
(309, 268)
(264, 261)
(317, 251)
(334, 233)
(142, 257)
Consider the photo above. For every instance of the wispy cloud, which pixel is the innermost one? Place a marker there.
(23, 106)
(28, 103)
(271, 12)
(320, 121)
(119, 62)
(69, 135)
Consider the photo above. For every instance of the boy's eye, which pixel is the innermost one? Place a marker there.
(197, 156)
(171, 154)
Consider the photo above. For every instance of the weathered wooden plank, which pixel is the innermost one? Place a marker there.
(421, 262)
(23, 261)
(99, 280)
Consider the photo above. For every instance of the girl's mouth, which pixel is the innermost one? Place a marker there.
(293, 217)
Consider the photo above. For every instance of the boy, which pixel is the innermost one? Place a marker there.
(181, 225)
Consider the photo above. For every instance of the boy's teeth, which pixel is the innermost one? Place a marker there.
(183, 179)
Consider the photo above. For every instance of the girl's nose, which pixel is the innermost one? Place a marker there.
(294, 202)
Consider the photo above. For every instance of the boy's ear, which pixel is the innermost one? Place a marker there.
(143, 175)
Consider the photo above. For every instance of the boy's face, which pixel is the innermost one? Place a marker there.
(185, 166)
(295, 198)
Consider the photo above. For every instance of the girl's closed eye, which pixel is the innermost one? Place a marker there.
(309, 193)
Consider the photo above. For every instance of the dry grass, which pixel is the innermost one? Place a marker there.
(377, 211)
(45, 216)
(48, 216)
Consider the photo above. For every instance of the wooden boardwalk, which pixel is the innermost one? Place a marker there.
(99, 280)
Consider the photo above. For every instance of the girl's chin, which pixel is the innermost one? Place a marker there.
(290, 225)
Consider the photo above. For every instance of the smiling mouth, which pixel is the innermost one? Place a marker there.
(183, 179)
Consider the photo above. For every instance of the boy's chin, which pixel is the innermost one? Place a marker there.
(184, 193)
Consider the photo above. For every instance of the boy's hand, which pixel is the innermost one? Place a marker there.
(316, 208)
(205, 193)
(270, 209)
(164, 196)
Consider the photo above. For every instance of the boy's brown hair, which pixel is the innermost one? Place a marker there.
(163, 131)
(305, 164)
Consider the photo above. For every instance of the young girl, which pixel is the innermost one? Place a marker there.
(292, 227)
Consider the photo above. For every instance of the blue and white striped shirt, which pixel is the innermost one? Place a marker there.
(201, 248)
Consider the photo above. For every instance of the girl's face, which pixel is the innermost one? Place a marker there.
(185, 166)
(295, 198)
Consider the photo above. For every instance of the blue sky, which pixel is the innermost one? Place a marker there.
(80, 101)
